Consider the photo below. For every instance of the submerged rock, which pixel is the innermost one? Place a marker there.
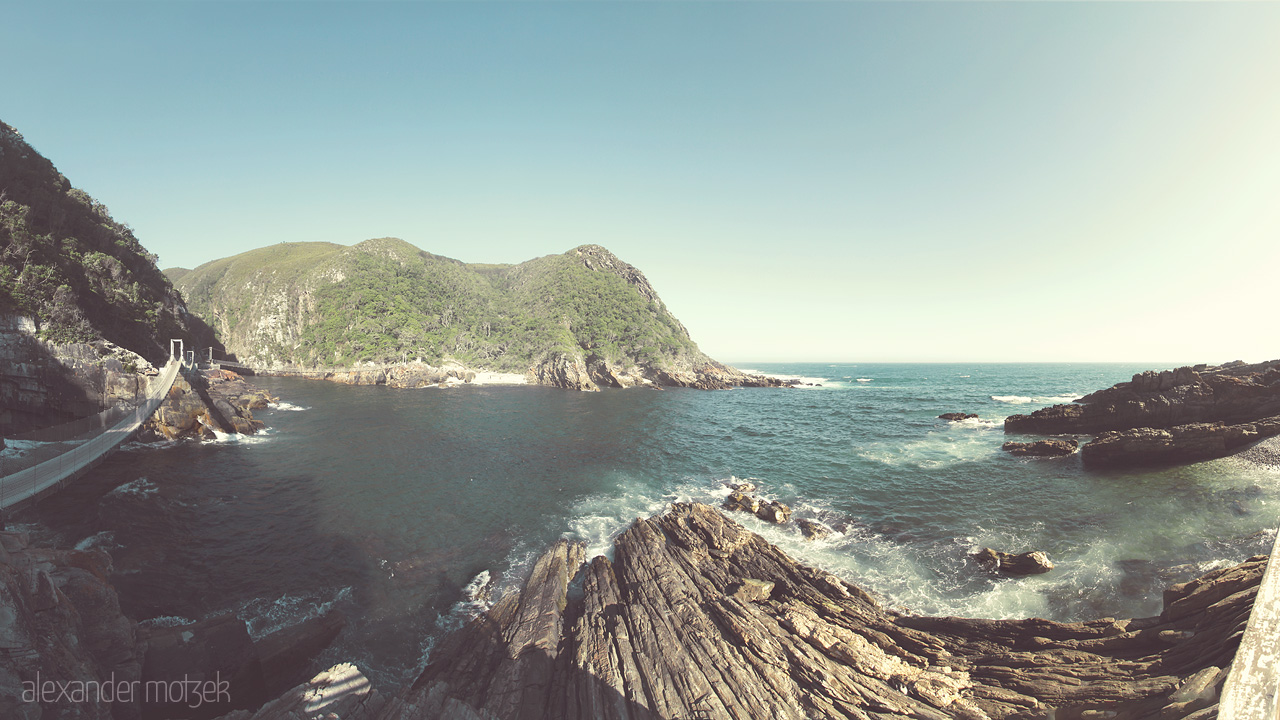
(1041, 448)
(1028, 563)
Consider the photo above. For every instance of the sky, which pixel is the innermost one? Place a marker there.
(828, 181)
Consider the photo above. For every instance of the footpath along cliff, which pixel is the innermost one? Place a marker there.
(1183, 415)
(696, 617)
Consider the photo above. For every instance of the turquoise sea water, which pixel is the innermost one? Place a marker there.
(387, 503)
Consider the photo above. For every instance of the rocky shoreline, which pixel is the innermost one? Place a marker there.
(1189, 414)
(560, 371)
(696, 617)
(693, 617)
(207, 403)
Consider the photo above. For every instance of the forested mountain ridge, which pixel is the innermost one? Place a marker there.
(580, 319)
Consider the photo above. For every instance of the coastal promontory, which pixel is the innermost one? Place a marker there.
(385, 312)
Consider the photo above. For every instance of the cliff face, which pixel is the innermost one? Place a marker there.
(583, 319)
(84, 311)
(77, 272)
(62, 623)
(696, 617)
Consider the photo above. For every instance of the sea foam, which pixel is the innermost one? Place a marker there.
(1040, 400)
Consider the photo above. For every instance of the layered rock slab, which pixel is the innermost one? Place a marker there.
(1233, 393)
(697, 617)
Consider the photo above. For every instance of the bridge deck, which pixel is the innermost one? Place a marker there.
(1252, 690)
(25, 484)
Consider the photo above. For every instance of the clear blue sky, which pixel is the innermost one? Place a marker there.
(800, 181)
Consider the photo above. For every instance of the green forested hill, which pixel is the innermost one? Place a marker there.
(68, 264)
(319, 305)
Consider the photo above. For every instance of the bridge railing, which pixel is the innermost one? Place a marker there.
(1252, 690)
(22, 485)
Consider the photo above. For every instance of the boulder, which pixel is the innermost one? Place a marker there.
(216, 650)
(1028, 563)
(813, 530)
(286, 655)
(1041, 448)
(957, 416)
(742, 502)
(752, 590)
(774, 512)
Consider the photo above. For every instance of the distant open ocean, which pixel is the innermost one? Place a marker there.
(387, 504)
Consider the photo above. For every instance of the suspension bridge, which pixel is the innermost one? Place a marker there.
(61, 461)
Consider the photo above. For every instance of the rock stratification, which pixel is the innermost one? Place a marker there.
(1231, 393)
(1184, 415)
(60, 621)
(1041, 448)
(1179, 444)
(200, 406)
(696, 617)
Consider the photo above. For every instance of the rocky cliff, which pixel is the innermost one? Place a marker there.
(79, 274)
(583, 319)
(696, 617)
(67, 652)
(84, 311)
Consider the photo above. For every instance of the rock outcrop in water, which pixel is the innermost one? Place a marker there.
(1232, 393)
(1180, 444)
(1184, 415)
(1027, 563)
(697, 617)
(1041, 448)
(216, 400)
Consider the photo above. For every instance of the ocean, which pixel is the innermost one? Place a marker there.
(398, 507)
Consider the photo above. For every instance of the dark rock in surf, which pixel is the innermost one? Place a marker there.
(219, 650)
(742, 502)
(286, 655)
(813, 530)
(1041, 448)
(774, 512)
(1028, 563)
(957, 416)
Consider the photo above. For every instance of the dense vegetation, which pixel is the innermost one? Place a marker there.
(384, 300)
(67, 263)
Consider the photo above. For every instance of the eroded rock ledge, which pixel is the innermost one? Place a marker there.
(1232, 393)
(1175, 416)
(697, 617)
